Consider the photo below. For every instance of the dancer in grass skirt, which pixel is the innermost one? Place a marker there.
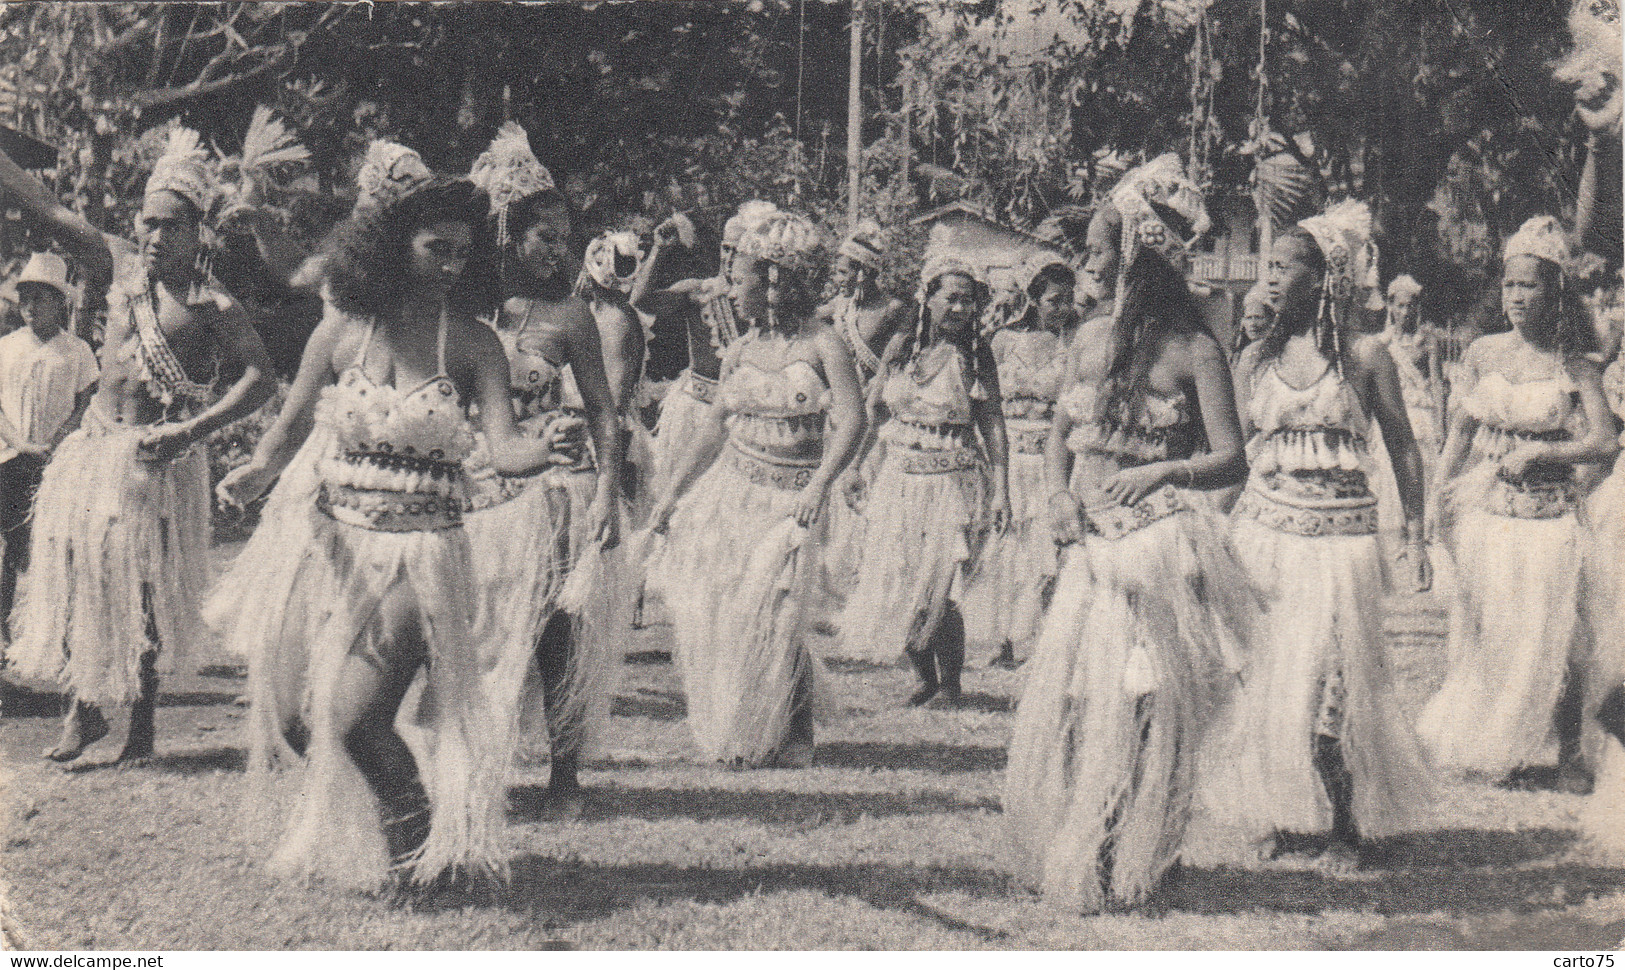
(739, 561)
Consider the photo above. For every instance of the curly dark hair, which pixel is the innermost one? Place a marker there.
(368, 255)
(524, 213)
(1568, 328)
(1155, 304)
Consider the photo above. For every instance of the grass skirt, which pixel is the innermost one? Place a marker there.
(526, 552)
(737, 573)
(924, 531)
(1513, 624)
(463, 744)
(1603, 603)
(1322, 620)
(1005, 601)
(682, 419)
(253, 611)
(1130, 668)
(114, 538)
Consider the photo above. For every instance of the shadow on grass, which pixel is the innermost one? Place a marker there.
(908, 756)
(1460, 871)
(655, 704)
(645, 658)
(810, 809)
(19, 701)
(196, 698)
(847, 665)
(985, 703)
(577, 892)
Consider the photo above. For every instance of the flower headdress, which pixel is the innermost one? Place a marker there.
(389, 173)
(1034, 266)
(1146, 198)
(1403, 285)
(507, 172)
(185, 169)
(1343, 235)
(937, 265)
(790, 242)
(865, 245)
(1543, 238)
(602, 253)
(750, 213)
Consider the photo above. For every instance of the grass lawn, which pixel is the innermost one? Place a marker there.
(892, 840)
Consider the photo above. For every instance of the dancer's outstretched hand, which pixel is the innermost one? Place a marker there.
(808, 510)
(606, 525)
(241, 486)
(1003, 515)
(164, 443)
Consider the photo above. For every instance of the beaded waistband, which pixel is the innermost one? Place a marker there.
(1526, 499)
(772, 471)
(1303, 513)
(381, 511)
(918, 461)
(702, 389)
(433, 465)
(1025, 438)
(1117, 521)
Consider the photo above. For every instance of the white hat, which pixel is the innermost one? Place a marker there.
(49, 269)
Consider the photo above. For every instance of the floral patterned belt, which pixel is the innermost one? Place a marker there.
(1531, 498)
(1026, 438)
(702, 389)
(921, 461)
(1305, 506)
(382, 511)
(1117, 521)
(759, 468)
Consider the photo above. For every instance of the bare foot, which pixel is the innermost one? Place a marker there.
(564, 802)
(83, 728)
(945, 700)
(1340, 860)
(137, 753)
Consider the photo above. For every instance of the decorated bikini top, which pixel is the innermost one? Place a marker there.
(136, 297)
(389, 439)
(1162, 425)
(791, 390)
(538, 385)
(847, 324)
(933, 389)
(1032, 367)
(1544, 405)
(1322, 426)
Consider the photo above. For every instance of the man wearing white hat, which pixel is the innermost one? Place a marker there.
(46, 378)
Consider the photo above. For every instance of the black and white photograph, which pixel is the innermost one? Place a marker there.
(812, 475)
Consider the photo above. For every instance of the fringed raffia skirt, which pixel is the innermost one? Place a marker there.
(257, 617)
(1006, 597)
(737, 573)
(1513, 627)
(924, 516)
(1603, 603)
(1132, 666)
(461, 740)
(533, 559)
(1319, 669)
(682, 417)
(117, 541)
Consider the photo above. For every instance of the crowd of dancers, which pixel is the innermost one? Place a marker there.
(1183, 548)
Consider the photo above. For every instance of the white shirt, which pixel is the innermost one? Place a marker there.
(39, 382)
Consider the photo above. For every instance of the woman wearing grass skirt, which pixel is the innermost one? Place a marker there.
(1017, 570)
(1318, 746)
(1142, 640)
(560, 642)
(740, 557)
(1528, 406)
(398, 779)
(941, 484)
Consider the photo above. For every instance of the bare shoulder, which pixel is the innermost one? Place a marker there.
(1199, 348)
(1370, 351)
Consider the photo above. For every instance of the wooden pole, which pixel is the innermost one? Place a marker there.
(854, 116)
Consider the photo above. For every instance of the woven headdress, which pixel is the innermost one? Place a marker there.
(790, 242)
(865, 245)
(740, 222)
(389, 173)
(1343, 235)
(1541, 237)
(1146, 197)
(185, 169)
(602, 253)
(507, 172)
(1403, 285)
